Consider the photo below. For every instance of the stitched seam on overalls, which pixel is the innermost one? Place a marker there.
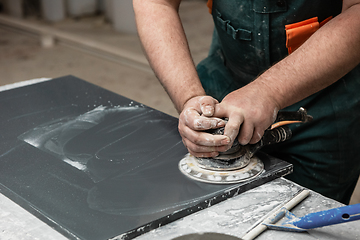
(237, 34)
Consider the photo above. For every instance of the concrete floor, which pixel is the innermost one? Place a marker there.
(23, 58)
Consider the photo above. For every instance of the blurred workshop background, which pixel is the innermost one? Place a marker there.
(95, 40)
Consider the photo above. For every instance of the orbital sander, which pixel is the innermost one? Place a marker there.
(239, 163)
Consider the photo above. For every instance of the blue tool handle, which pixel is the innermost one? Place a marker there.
(328, 217)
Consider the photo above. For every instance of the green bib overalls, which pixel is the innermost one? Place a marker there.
(249, 38)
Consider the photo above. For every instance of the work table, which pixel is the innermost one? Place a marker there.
(233, 216)
(239, 214)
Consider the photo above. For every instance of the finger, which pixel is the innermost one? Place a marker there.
(232, 127)
(204, 123)
(246, 133)
(184, 142)
(207, 105)
(221, 111)
(188, 116)
(204, 155)
(258, 134)
(203, 138)
(203, 151)
(193, 120)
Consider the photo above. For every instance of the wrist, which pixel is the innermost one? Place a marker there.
(188, 99)
(271, 90)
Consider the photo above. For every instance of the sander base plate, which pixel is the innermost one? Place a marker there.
(189, 167)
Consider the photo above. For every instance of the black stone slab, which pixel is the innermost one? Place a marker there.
(95, 165)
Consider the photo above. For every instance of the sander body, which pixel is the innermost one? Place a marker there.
(240, 163)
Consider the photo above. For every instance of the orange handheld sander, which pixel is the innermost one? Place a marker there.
(240, 163)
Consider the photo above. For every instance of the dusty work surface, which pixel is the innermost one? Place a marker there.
(237, 215)
(232, 217)
(95, 165)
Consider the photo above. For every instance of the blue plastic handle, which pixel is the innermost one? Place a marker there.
(328, 217)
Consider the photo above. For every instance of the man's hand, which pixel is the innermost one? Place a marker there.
(196, 117)
(250, 111)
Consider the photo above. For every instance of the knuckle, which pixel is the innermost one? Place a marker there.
(200, 124)
(244, 138)
(255, 115)
(233, 125)
(205, 99)
(181, 131)
(197, 124)
(181, 128)
(197, 141)
(223, 148)
(195, 148)
(205, 103)
(184, 142)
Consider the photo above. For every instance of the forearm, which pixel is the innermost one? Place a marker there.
(167, 50)
(324, 58)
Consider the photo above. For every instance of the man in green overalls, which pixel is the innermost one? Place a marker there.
(249, 76)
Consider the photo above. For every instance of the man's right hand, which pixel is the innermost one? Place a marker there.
(197, 117)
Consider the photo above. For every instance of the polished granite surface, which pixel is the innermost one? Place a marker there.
(95, 165)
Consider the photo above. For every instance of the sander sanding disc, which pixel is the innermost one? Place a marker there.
(190, 168)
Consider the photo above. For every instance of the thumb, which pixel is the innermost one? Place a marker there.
(207, 105)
